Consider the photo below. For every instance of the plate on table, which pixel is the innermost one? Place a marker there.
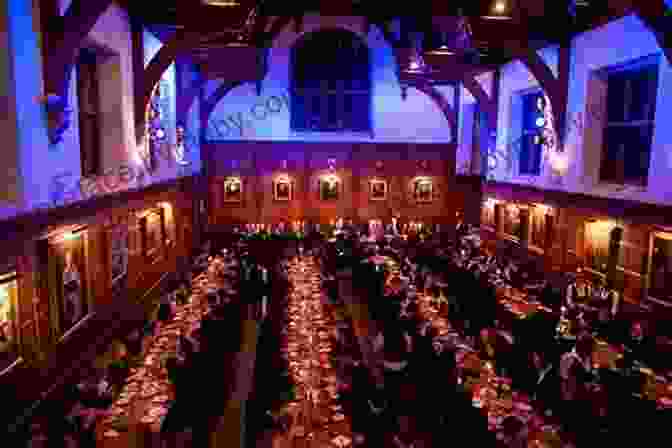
(111, 434)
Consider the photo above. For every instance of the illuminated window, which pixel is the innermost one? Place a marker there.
(331, 83)
(531, 142)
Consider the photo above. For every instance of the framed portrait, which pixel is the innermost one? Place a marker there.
(74, 306)
(660, 280)
(233, 190)
(153, 233)
(282, 190)
(377, 190)
(119, 258)
(8, 297)
(330, 187)
(423, 190)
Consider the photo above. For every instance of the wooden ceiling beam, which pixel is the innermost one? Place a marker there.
(66, 35)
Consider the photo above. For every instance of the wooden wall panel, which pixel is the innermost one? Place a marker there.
(355, 164)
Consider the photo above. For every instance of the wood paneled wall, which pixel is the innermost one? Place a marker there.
(567, 249)
(34, 310)
(258, 164)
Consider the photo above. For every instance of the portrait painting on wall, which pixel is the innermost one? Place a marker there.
(119, 258)
(282, 190)
(423, 190)
(8, 291)
(378, 190)
(73, 294)
(153, 233)
(330, 188)
(233, 190)
(661, 267)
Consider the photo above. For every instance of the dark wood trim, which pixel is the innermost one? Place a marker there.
(32, 225)
(210, 103)
(652, 13)
(438, 98)
(138, 64)
(68, 34)
(560, 115)
(630, 211)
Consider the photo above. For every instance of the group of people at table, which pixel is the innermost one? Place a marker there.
(147, 390)
(567, 350)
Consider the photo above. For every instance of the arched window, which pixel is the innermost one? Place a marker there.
(331, 83)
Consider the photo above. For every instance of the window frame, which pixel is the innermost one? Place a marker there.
(607, 169)
(530, 131)
(338, 95)
(89, 111)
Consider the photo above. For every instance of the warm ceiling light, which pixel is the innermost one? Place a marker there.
(498, 11)
(222, 2)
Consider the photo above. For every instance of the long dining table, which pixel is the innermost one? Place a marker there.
(493, 394)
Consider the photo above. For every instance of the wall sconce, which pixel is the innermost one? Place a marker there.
(491, 202)
(543, 208)
(559, 163)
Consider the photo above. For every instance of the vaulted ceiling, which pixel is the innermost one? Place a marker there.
(536, 23)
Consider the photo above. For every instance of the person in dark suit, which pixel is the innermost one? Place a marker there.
(639, 346)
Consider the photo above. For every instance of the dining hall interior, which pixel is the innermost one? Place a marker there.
(335, 224)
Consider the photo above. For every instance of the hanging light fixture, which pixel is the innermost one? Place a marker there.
(498, 11)
(416, 63)
(443, 49)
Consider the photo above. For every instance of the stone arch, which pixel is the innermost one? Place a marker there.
(210, 103)
(438, 98)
